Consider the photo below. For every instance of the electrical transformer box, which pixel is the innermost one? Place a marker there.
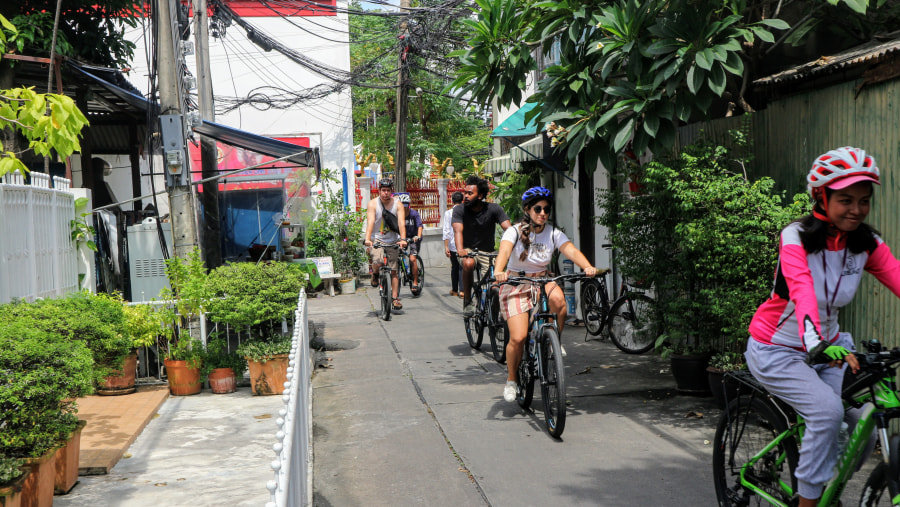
(147, 266)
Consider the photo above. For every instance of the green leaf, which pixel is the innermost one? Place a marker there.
(705, 59)
(651, 124)
(576, 85)
(695, 79)
(623, 135)
(763, 34)
(717, 80)
(777, 24)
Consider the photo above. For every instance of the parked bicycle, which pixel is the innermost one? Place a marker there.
(486, 298)
(542, 359)
(757, 439)
(385, 291)
(628, 320)
(406, 275)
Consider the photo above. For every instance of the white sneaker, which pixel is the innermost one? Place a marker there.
(562, 349)
(509, 391)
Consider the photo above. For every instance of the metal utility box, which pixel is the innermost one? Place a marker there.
(147, 267)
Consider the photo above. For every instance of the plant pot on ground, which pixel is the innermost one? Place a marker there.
(38, 489)
(719, 364)
(267, 361)
(67, 456)
(222, 366)
(12, 479)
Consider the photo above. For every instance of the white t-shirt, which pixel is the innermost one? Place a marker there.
(447, 229)
(540, 251)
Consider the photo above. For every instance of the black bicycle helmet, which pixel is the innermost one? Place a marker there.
(534, 194)
(385, 182)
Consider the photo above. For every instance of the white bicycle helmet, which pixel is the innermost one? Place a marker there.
(404, 198)
(841, 168)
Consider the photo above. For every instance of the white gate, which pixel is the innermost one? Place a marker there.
(37, 255)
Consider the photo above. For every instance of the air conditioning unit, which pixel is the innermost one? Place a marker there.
(146, 264)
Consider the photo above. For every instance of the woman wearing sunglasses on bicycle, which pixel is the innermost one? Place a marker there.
(527, 247)
(796, 349)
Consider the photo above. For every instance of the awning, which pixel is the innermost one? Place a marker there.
(114, 83)
(529, 150)
(305, 157)
(515, 126)
(498, 165)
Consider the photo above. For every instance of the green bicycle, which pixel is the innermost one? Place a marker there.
(755, 450)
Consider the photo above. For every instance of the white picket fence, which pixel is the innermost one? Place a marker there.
(37, 256)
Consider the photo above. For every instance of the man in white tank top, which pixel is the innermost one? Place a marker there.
(384, 231)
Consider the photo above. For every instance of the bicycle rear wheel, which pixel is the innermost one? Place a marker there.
(386, 293)
(498, 331)
(748, 426)
(877, 492)
(474, 331)
(553, 383)
(592, 312)
(631, 324)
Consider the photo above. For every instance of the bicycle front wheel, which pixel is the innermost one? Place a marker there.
(525, 380)
(883, 479)
(385, 295)
(745, 429)
(553, 383)
(631, 324)
(592, 312)
(421, 266)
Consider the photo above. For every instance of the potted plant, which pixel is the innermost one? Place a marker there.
(336, 232)
(42, 373)
(719, 364)
(258, 299)
(704, 236)
(12, 479)
(142, 328)
(178, 320)
(222, 366)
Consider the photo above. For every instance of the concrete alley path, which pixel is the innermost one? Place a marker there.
(408, 414)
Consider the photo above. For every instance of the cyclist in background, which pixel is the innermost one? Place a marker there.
(414, 229)
(528, 247)
(474, 224)
(450, 245)
(796, 348)
(383, 218)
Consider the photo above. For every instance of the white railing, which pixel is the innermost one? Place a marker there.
(37, 256)
(292, 485)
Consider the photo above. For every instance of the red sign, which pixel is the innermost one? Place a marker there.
(232, 157)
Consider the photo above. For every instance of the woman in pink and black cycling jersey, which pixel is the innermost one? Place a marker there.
(797, 350)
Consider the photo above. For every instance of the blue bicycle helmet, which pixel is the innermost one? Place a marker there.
(535, 194)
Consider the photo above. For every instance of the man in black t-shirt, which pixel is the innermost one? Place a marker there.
(474, 228)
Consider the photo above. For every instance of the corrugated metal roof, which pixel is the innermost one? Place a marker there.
(868, 53)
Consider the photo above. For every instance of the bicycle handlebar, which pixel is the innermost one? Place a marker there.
(473, 252)
(543, 280)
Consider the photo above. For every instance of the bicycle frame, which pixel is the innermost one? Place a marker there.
(881, 404)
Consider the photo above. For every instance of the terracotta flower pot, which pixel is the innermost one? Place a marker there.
(183, 381)
(11, 495)
(37, 491)
(66, 475)
(269, 377)
(121, 382)
(222, 381)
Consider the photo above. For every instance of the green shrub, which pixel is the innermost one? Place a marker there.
(218, 356)
(96, 320)
(262, 350)
(252, 295)
(337, 232)
(705, 238)
(41, 372)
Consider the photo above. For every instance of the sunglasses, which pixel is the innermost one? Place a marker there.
(542, 209)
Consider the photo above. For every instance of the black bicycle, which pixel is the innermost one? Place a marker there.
(406, 275)
(628, 320)
(385, 291)
(486, 298)
(542, 359)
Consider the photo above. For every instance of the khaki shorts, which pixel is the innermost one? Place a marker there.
(393, 256)
(482, 261)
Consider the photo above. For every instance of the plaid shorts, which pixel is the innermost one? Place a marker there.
(517, 299)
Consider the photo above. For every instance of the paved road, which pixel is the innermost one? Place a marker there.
(412, 416)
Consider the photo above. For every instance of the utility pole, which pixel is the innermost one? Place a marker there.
(171, 128)
(211, 232)
(400, 154)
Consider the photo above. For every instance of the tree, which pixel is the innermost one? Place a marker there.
(47, 121)
(632, 71)
(437, 125)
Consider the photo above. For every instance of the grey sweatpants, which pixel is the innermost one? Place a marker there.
(814, 392)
